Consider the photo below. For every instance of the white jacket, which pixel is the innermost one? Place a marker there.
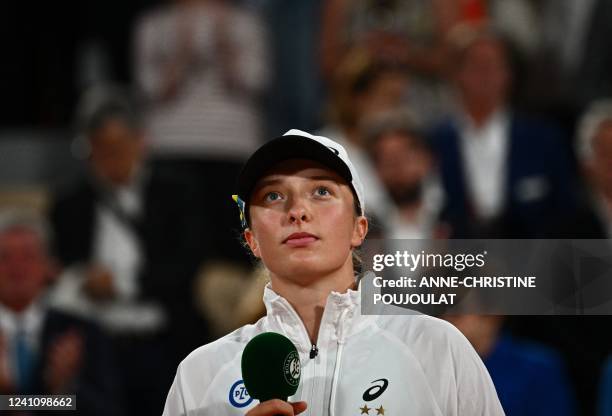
(387, 365)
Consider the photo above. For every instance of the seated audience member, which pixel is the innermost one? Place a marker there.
(404, 164)
(43, 350)
(530, 379)
(504, 175)
(129, 245)
(595, 153)
(594, 220)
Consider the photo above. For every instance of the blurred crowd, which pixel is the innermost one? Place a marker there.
(464, 118)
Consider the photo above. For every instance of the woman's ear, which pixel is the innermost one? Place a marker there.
(252, 242)
(359, 231)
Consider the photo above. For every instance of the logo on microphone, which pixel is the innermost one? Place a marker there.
(291, 368)
(238, 395)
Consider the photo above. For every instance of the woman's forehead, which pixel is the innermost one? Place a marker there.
(302, 169)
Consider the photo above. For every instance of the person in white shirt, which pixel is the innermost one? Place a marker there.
(129, 247)
(302, 206)
(505, 174)
(201, 66)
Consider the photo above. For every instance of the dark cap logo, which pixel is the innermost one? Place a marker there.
(334, 150)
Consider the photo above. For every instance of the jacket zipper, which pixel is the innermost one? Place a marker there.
(314, 351)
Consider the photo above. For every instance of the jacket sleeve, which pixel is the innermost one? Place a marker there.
(476, 394)
(175, 401)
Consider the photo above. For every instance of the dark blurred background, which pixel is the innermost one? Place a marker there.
(123, 126)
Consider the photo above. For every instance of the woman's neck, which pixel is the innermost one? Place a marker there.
(309, 299)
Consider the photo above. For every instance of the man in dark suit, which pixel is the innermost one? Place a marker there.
(504, 175)
(42, 350)
(128, 234)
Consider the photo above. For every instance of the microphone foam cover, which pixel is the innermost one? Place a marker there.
(270, 367)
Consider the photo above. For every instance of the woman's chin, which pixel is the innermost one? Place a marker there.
(305, 271)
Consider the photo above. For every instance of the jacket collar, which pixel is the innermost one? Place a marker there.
(336, 323)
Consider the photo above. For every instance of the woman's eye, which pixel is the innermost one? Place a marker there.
(272, 196)
(322, 191)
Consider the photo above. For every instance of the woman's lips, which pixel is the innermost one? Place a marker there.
(300, 239)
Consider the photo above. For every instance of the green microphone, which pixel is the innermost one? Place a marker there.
(270, 367)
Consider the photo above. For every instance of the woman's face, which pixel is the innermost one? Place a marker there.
(303, 221)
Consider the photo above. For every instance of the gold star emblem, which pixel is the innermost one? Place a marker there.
(380, 410)
(365, 410)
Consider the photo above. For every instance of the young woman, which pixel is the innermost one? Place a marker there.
(301, 204)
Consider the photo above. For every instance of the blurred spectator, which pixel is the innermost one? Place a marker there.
(43, 350)
(364, 88)
(414, 34)
(595, 153)
(295, 99)
(202, 66)
(504, 175)
(406, 33)
(530, 379)
(129, 243)
(404, 163)
(576, 52)
(230, 296)
(518, 21)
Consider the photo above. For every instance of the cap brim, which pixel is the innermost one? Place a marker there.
(283, 148)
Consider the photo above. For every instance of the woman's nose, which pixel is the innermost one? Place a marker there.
(298, 211)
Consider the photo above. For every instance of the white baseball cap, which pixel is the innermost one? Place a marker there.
(296, 144)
